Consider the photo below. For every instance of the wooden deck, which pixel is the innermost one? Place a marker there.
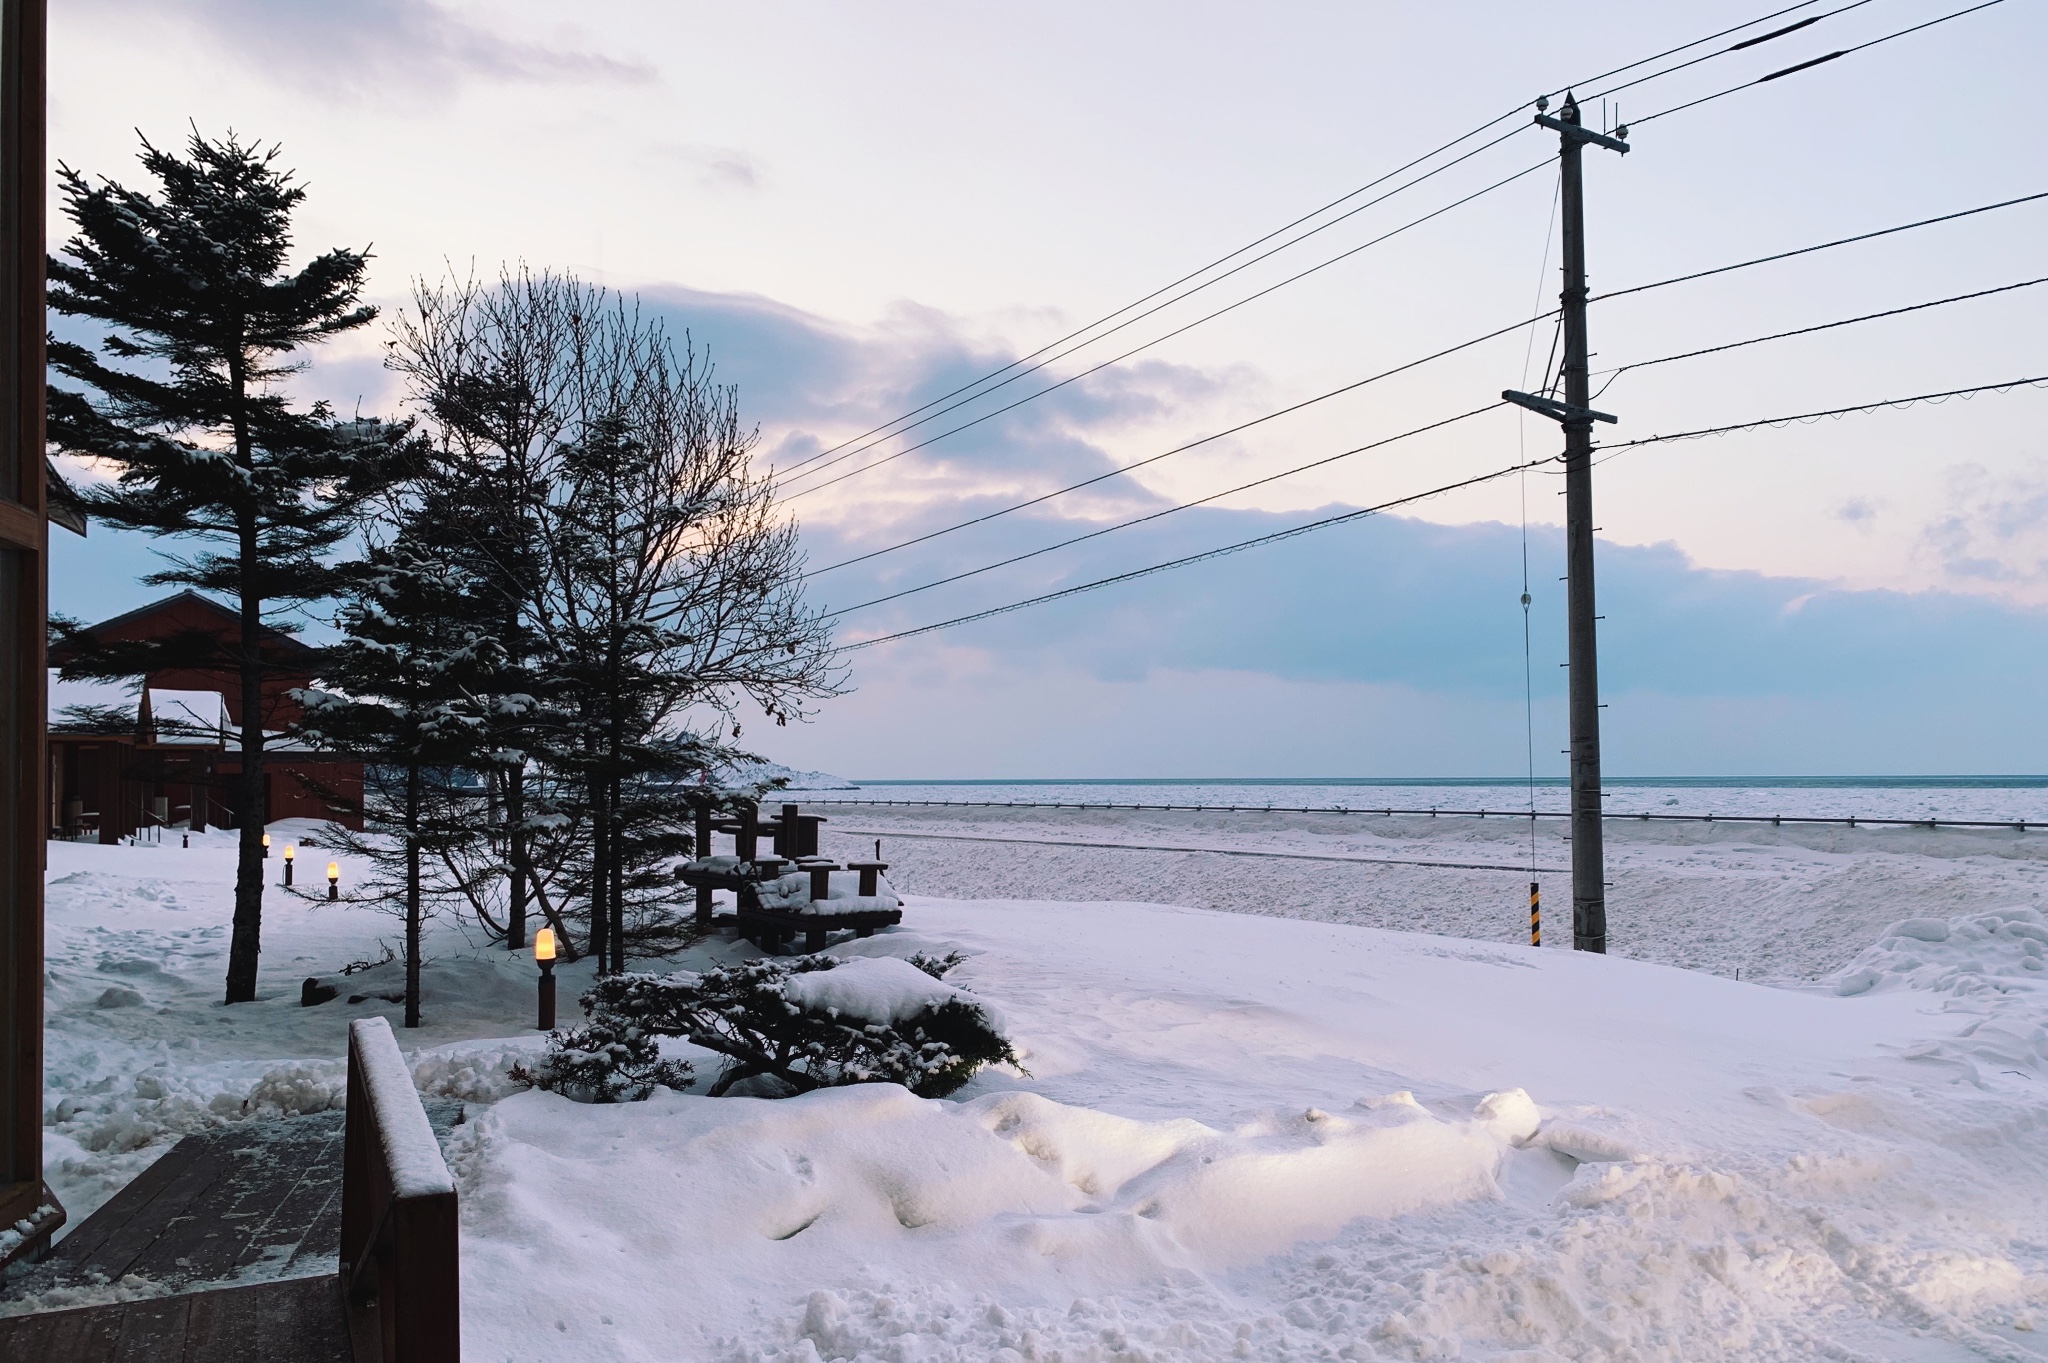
(297, 1320)
(235, 1233)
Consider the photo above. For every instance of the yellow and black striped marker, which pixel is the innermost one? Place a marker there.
(1535, 916)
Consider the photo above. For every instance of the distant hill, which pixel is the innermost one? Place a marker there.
(760, 772)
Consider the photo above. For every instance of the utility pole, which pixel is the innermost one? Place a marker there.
(1575, 414)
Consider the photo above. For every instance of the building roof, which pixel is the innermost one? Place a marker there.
(188, 603)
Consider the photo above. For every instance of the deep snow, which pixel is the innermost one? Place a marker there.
(1242, 1133)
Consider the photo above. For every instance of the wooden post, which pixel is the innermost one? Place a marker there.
(400, 1245)
(704, 850)
(24, 576)
(746, 843)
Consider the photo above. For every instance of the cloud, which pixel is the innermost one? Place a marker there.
(713, 167)
(352, 47)
(1994, 529)
(816, 385)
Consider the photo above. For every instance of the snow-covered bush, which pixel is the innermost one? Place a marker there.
(796, 1024)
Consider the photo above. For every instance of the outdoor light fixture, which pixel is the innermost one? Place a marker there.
(544, 957)
(266, 846)
(290, 851)
(334, 880)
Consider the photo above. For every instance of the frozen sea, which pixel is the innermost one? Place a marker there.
(1968, 798)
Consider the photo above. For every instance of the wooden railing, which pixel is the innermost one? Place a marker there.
(399, 1251)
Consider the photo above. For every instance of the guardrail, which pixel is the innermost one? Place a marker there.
(1851, 820)
(400, 1264)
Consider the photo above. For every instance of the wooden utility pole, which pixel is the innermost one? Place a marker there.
(1575, 414)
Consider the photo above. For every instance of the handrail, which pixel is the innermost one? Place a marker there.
(400, 1257)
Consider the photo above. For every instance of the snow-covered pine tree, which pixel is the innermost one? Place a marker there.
(784, 1025)
(401, 690)
(488, 368)
(183, 399)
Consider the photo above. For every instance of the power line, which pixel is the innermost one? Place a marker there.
(1033, 368)
(1345, 517)
(1440, 354)
(1157, 340)
(1816, 61)
(1179, 449)
(1156, 515)
(1823, 246)
(1186, 560)
(1757, 41)
(1881, 405)
(1377, 444)
(1405, 227)
(1616, 373)
(1334, 203)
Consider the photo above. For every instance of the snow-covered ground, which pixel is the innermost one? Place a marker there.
(1745, 900)
(1271, 1131)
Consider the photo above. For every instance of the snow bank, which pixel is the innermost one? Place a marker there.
(879, 989)
(1982, 953)
(1010, 1191)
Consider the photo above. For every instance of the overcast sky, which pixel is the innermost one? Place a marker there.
(855, 208)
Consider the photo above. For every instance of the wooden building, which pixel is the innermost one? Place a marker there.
(175, 762)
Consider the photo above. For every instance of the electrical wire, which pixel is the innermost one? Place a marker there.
(1178, 449)
(1823, 246)
(1416, 222)
(1168, 511)
(1885, 404)
(1816, 61)
(1343, 518)
(1334, 203)
(1613, 374)
(1033, 397)
(1033, 368)
(1522, 490)
(1549, 371)
(1204, 556)
(1757, 41)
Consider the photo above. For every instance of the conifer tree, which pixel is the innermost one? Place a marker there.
(408, 678)
(183, 399)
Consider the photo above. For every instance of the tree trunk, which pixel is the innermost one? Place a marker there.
(600, 874)
(618, 890)
(412, 895)
(515, 818)
(246, 944)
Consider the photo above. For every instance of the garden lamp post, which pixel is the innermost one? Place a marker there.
(334, 880)
(544, 957)
(290, 853)
(266, 847)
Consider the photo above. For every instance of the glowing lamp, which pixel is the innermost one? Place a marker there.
(266, 844)
(290, 852)
(334, 880)
(544, 957)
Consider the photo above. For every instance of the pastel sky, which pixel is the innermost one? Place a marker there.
(857, 208)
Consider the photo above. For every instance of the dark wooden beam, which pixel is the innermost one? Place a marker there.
(24, 598)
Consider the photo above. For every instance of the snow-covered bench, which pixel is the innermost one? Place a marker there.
(818, 898)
